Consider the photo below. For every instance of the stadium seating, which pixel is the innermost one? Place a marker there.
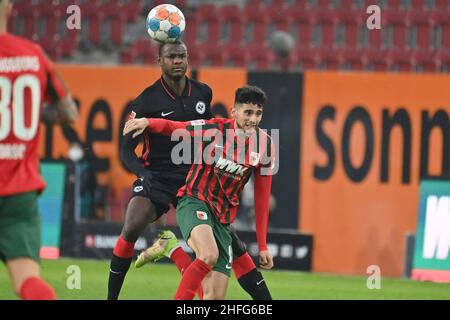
(327, 34)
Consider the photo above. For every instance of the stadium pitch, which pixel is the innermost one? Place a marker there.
(159, 282)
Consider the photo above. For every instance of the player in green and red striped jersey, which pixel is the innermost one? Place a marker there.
(231, 150)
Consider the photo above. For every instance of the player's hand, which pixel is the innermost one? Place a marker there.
(136, 125)
(265, 259)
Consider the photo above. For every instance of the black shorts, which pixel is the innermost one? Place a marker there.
(238, 246)
(162, 189)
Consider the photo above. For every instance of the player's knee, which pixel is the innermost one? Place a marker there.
(209, 257)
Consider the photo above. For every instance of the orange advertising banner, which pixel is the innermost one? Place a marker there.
(367, 140)
(103, 94)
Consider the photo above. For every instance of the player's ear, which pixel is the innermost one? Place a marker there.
(233, 112)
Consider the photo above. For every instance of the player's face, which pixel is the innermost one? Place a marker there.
(173, 60)
(247, 117)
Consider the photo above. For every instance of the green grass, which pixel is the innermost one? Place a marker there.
(159, 281)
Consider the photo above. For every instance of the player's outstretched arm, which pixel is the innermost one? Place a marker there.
(63, 111)
(160, 126)
(262, 189)
(136, 125)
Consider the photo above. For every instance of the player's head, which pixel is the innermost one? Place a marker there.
(248, 108)
(173, 59)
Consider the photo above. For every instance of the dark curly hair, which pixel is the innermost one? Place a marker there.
(250, 94)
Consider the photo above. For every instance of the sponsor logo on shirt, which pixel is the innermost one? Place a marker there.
(198, 122)
(202, 215)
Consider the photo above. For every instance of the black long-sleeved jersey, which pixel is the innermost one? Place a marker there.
(159, 101)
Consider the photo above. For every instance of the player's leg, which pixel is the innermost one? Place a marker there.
(24, 274)
(20, 244)
(140, 212)
(250, 279)
(215, 286)
(216, 283)
(195, 222)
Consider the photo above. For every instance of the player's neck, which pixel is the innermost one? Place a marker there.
(177, 86)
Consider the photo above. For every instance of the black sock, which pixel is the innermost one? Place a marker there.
(117, 272)
(254, 284)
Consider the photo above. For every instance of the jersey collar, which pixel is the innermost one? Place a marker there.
(173, 95)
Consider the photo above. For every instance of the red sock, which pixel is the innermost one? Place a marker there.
(243, 265)
(182, 260)
(123, 248)
(191, 280)
(34, 288)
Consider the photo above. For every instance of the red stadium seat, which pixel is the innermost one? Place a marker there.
(277, 15)
(190, 34)
(305, 58)
(378, 59)
(304, 21)
(30, 13)
(93, 11)
(195, 55)
(418, 5)
(234, 55)
(425, 60)
(212, 55)
(51, 46)
(147, 50)
(442, 5)
(54, 13)
(256, 20)
(402, 59)
(133, 10)
(142, 50)
(423, 24)
(208, 18)
(443, 60)
(114, 13)
(231, 17)
(442, 19)
(329, 58)
(394, 4)
(352, 57)
(352, 20)
(259, 57)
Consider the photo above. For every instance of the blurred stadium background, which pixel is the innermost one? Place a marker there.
(364, 142)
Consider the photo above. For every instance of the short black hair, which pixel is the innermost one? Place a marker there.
(250, 94)
(162, 45)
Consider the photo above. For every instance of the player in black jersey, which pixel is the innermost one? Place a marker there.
(175, 97)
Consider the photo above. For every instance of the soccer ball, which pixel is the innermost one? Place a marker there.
(165, 23)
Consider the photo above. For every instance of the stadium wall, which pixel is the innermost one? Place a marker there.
(367, 141)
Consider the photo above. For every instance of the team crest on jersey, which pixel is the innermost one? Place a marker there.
(202, 215)
(200, 107)
(254, 158)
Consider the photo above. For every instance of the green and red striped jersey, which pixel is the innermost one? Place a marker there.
(222, 166)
